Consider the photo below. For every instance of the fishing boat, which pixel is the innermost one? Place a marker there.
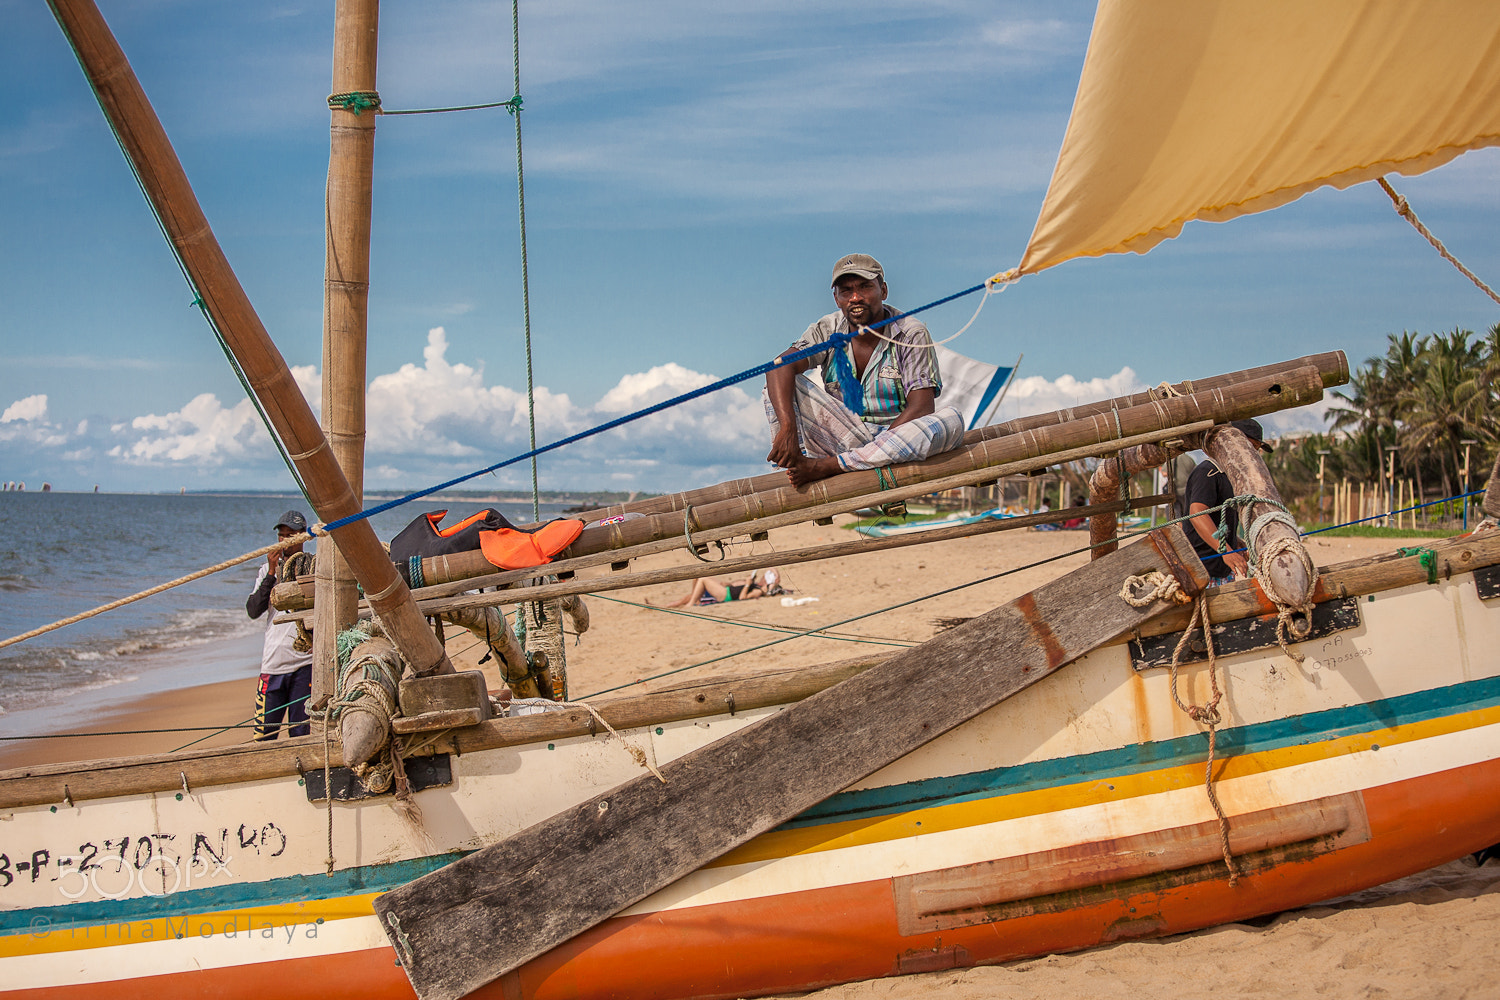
(1121, 753)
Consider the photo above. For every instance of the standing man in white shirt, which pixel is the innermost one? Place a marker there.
(285, 673)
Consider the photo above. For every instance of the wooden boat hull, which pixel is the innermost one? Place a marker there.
(1072, 815)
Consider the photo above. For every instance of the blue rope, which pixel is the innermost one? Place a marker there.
(837, 341)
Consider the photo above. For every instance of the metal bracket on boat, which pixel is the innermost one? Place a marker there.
(421, 772)
(1487, 582)
(1242, 635)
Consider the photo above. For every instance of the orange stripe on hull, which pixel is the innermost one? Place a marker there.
(359, 975)
(808, 940)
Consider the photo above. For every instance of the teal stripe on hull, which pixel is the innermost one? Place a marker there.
(245, 895)
(1297, 730)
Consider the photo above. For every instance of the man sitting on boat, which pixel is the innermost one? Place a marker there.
(877, 404)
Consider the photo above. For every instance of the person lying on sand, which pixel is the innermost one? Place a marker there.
(877, 406)
(706, 590)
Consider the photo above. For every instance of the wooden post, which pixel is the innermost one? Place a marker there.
(150, 153)
(1491, 502)
(346, 289)
(1286, 579)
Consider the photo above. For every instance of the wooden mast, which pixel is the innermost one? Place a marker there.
(150, 153)
(346, 292)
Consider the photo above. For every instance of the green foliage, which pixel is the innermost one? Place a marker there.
(1422, 400)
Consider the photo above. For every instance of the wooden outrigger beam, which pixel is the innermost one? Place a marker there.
(295, 596)
(151, 155)
(475, 920)
(1034, 448)
(740, 564)
(1332, 366)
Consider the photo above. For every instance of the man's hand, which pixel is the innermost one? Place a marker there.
(273, 559)
(786, 449)
(1237, 562)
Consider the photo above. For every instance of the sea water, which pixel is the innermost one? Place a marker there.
(63, 553)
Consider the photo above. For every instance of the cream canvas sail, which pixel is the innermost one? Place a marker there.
(1213, 109)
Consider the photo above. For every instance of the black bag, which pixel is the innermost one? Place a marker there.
(423, 539)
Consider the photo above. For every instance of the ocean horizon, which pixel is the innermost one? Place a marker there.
(62, 553)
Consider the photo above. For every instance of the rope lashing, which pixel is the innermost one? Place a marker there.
(1404, 210)
(1425, 556)
(355, 101)
(1139, 591)
(1207, 715)
(1287, 629)
(285, 543)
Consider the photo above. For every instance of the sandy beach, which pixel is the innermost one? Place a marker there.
(1431, 935)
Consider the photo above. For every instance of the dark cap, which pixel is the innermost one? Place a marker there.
(293, 519)
(1251, 430)
(861, 264)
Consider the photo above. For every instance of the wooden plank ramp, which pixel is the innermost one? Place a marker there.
(475, 920)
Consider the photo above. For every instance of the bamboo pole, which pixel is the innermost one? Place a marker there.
(346, 293)
(150, 153)
(1254, 398)
(1332, 367)
(791, 557)
(293, 596)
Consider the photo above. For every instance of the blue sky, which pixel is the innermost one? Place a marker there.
(692, 171)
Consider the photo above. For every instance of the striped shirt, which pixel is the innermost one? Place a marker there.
(893, 371)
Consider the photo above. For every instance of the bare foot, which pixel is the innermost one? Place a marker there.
(810, 470)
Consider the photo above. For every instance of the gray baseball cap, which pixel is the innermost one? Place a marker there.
(292, 519)
(861, 264)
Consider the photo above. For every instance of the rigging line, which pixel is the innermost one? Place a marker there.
(791, 357)
(132, 732)
(245, 722)
(765, 626)
(198, 295)
(1404, 210)
(950, 590)
(870, 614)
(515, 112)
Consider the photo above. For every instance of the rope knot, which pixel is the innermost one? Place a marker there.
(1139, 591)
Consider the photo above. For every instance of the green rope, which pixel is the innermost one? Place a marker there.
(1425, 556)
(511, 107)
(515, 112)
(355, 101)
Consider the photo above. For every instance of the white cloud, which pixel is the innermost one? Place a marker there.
(1312, 417)
(29, 408)
(1036, 394)
(202, 433)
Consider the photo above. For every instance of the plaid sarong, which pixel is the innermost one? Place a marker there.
(826, 427)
